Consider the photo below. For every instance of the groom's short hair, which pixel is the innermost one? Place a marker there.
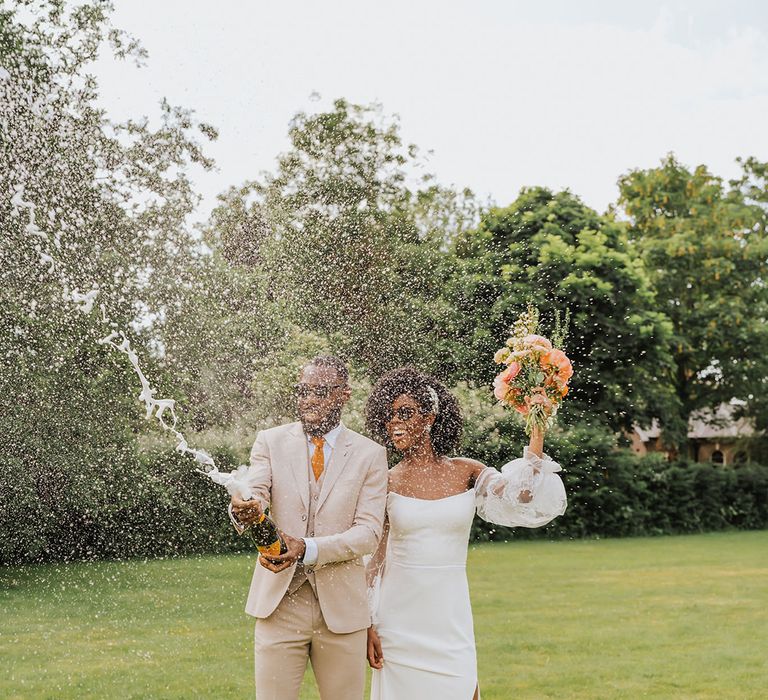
(333, 362)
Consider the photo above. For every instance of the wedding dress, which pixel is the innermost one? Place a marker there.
(420, 598)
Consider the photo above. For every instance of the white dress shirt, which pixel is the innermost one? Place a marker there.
(310, 553)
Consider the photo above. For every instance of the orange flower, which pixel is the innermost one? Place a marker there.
(558, 359)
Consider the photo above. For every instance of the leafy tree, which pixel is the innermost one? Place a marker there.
(215, 340)
(552, 250)
(349, 249)
(70, 224)
(706, 249)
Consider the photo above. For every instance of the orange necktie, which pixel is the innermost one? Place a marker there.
(318, 458)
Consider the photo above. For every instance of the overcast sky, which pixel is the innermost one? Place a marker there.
(505, 94)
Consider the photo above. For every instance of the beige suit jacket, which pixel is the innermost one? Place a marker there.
(349, 515)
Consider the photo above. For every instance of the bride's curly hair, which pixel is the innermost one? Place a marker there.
(448, 425)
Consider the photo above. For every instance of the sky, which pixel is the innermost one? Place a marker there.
(497, 95)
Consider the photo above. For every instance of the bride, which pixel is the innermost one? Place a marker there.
(421, 643)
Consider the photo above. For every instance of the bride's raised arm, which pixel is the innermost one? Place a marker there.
(527, 492)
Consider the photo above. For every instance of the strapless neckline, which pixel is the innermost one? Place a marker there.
(429, 500)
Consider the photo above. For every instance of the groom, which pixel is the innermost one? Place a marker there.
(326, 486)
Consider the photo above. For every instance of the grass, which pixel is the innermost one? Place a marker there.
(677, 617)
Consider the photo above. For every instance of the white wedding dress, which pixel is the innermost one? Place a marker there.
(420, 598)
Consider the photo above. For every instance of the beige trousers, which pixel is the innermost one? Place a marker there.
(296, 632)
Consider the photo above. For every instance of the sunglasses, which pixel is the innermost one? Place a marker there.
(404, 413)
(321, 391)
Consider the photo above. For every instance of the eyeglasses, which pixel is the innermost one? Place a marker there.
(404, 413)
(322, 391)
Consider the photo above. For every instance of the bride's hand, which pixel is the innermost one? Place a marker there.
(375, 654)
(536, 444)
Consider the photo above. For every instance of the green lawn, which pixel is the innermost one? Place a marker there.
(678, 617)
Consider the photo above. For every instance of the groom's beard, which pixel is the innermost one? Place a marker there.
(319, 428)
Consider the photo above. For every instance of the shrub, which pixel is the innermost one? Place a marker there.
(151, 505)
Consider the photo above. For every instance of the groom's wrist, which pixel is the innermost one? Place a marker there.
(309, 557)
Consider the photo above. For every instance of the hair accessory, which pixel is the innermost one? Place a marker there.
(433, 398)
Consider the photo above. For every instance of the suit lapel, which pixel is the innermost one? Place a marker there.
(298, 456)
(339, 460)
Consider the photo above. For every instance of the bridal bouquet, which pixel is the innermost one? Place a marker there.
(534, 381)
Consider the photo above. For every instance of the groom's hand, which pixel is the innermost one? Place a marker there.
(246, 512)
(296, 549)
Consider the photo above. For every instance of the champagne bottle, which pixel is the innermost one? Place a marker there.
(266, 537)
(263, 532)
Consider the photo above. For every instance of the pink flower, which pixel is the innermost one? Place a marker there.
(512, 370)
(501, 382)
(501, 356)
(541, 400)
(500, 389)
(539, 397)
(537, 342)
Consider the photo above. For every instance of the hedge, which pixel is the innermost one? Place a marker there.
(154, 504)
(614, 493)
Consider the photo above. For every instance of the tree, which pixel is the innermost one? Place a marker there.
(350, 251)
(706, 250)
(552, 250)
(71, 234)
(216, 339)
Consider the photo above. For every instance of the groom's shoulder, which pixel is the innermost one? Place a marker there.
(278, 431)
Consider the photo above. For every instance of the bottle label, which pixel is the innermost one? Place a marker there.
(271, 550)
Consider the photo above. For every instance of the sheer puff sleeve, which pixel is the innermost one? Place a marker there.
(497, 494)
(374, 568)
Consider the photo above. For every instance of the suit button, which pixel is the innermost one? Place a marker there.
(311, 534)
(314, 498)
(310, 571)
(303, 517)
